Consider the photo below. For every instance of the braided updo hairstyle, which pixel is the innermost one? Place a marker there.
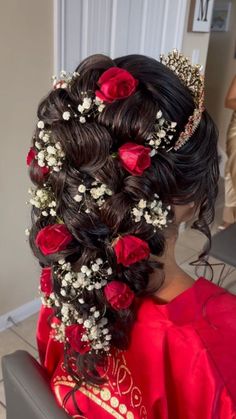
(90, 155)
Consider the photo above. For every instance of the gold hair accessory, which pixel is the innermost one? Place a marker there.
(191, 77)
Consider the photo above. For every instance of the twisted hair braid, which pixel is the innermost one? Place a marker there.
(176, 177)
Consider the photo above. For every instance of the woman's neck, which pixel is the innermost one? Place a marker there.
(176, 280)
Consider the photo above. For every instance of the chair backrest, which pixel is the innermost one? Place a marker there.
(224, 245)
(28, 393)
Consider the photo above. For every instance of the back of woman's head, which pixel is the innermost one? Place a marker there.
(107, 174)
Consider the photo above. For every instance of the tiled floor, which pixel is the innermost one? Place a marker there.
(190, 242)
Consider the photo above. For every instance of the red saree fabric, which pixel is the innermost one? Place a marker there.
(181, 363)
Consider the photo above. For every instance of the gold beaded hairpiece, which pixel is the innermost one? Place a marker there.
(192, 78)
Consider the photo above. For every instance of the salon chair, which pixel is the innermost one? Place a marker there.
(28, 393)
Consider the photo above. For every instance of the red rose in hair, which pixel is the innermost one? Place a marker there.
(74, 335)
(116, 83)
(135, 158)
(46, 281)
(31, 158)
(130, 249)
(53, 239)
(119, 295)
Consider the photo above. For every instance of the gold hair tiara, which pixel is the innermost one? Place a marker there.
(191, 77)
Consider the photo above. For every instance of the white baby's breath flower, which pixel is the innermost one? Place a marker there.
(95, 267)
(82, 188)
(101, 107)
(80, 108)
(51, 161)
(51, 149)
(82, 120)
(87, 102)
(40, 124)
(161, 133)
(27, 232)
(87, 324)
(81, 300)
(66, 115)
(46, 138)
(53, 212)
(78, 198)
(38, 145)
(41, 134)
(142, 203)
(109, 271)
(84, 269)
(58, 145)
(153, 152)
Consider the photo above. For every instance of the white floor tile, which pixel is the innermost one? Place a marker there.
(2, 393)
(219, 269)
(192, 239)
(10, 342)
(27, 330)
(2, 412)
(230, 282)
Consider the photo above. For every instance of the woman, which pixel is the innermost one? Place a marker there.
(122, 154)
(229, 213)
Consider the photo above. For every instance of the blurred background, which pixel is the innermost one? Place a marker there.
(40, 38)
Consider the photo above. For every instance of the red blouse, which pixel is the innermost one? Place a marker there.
(181, 363)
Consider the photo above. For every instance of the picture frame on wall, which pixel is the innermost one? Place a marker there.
(221, 16)
(201, 15)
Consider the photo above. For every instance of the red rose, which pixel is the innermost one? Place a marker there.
(53, 239)
(74, 335)
(46, 281)
(116, 83)
(31, 158)
(119, 295)
(135, 158)
(130, 249)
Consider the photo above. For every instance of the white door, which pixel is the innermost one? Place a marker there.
(115, 28)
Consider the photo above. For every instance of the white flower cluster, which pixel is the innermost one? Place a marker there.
(97, 332)
(152, 212)
(64, 79)
(43, 199)
(68, 313)
(50, 154)
(98, 192)
(48, 300)
(58, 331)
(92, 277)
(162, 134)
(86, 109)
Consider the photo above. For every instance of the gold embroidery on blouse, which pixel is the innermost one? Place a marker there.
(120, 384)
(57, 391)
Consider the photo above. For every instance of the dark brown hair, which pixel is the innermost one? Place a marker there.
(178, 177)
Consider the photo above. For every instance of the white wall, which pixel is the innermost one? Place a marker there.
(195, 40)
(220, 69)
(117, 27)
(26, 67)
